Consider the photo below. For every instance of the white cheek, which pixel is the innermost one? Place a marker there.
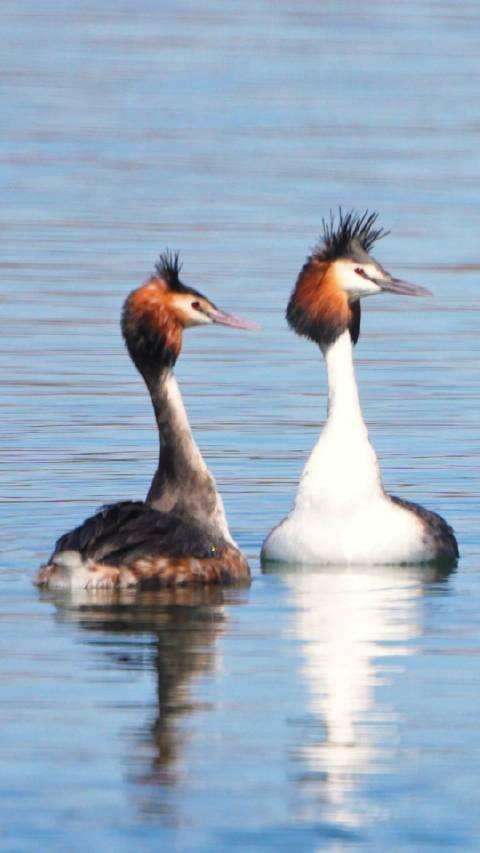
(193, 318)
(187, 315)
(354, 284)
(198, 319)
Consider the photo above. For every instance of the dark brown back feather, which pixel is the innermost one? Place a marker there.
(436, 529)
(128, 530)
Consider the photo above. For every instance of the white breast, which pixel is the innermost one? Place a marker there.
(376, 533)
(341, 514)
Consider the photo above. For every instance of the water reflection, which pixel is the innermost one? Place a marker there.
(182, 628)
(355, 625)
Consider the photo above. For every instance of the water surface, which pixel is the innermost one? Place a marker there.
(317, 710)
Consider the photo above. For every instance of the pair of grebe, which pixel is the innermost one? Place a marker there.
(341, 515)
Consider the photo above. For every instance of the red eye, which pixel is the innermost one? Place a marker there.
(196, 306)
(361, 272)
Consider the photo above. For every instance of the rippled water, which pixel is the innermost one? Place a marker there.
(318, 710)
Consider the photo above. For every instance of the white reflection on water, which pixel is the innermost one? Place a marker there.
(351, 623)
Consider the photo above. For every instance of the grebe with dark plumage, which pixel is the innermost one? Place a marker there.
(179, 535)
(341, 512)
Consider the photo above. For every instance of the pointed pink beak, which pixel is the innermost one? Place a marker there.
(230, 320)
(396, 285)
(403, 288)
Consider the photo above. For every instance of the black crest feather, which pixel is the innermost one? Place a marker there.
(169, 268)
(345, 237)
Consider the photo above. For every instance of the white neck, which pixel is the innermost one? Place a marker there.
(344, 410)
(342, 470)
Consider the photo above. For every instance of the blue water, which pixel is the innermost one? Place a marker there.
(328, 710)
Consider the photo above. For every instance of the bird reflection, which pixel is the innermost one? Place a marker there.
(184, 625)
(347, 620)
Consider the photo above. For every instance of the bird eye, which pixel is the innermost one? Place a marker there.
(361, 272)
(196, 306)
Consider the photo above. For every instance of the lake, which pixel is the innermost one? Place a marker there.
(329, 710)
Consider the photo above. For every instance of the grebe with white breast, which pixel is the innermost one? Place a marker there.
(179, 535)
(341, 513)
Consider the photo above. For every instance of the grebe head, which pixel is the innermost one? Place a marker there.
(155, 315)
(340, 271)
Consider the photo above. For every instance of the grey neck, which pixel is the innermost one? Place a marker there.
(182, 482)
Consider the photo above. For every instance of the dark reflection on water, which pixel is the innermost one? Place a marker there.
(180, 629)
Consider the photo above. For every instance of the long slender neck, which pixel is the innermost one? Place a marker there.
(344, 411)
(342, 469)
(179, 453)
(182, 482)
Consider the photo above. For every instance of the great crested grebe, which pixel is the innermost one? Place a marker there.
(179, 535)
(341, 512)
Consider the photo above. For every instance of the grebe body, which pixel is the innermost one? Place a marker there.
(341, 512)
(179, 535)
